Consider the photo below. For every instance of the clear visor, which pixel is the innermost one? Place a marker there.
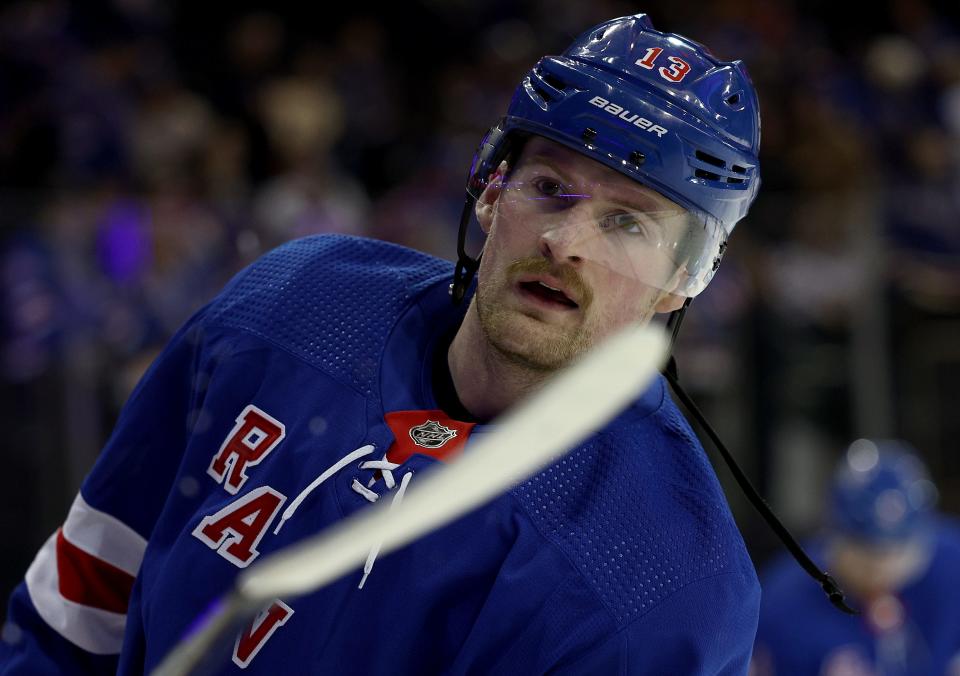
(639, 234)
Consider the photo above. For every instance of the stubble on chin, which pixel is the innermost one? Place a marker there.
(525, 341)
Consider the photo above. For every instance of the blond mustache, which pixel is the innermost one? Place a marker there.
(569, 277)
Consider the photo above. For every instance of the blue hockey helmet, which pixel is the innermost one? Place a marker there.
(654, 106)
(881, 493)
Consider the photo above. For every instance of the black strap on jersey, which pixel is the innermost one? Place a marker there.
(826, 581)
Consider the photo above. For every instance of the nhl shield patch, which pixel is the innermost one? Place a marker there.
(431, 434)
(427, 432)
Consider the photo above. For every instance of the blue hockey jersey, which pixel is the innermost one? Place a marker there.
(915, 632)
(303, 393)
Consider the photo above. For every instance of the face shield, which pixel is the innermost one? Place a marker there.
(618, 224)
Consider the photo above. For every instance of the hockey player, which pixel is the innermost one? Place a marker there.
(334, 370)
(896, 557)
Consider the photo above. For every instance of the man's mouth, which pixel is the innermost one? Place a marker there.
(547, 295)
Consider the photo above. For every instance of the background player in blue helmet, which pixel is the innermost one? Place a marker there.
(333, 370)
(898, 560)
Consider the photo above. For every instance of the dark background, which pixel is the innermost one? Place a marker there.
(148, 151)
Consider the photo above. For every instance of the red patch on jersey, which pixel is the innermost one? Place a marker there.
(90, 581)
(432, 433)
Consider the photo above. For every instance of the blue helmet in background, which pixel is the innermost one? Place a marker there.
(881, 493)
(654, 106)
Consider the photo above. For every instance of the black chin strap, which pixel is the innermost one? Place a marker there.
(826, 581)
(466, 266)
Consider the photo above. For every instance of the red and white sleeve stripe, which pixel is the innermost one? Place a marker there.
(81, 578)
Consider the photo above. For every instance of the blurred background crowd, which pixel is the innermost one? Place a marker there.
(149, 150)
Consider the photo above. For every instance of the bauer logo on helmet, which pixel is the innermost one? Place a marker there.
(627, 116)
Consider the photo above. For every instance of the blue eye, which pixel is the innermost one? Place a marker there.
(631, 223)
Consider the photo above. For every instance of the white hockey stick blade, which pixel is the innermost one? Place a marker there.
(572, 406)
(577, 403)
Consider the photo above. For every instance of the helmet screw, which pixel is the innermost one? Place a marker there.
(589, 134)
(637, 157)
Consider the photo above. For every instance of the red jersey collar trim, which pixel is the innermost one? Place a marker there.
(427, 432)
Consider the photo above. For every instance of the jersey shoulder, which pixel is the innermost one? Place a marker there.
(328, 299)
(640, 513)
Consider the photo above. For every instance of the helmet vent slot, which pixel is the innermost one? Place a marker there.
(542, 91)
(710, 159)
(738, 169)
(712, 168)
(547, 85)
(554, 81)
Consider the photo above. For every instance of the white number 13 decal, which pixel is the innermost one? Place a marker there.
(676, 72)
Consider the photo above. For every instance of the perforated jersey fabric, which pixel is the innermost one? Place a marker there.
(307, 296)
(603, 505)
(621, 558)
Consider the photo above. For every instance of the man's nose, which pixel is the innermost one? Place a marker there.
(567, 240)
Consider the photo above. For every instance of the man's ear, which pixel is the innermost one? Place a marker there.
(669, 303)
(488, 198)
